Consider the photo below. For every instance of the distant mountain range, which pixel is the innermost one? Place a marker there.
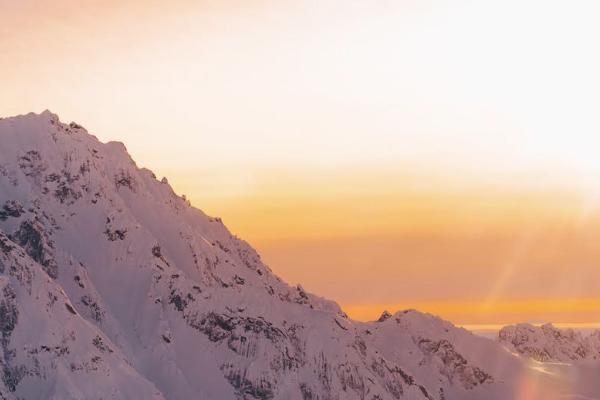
(114, 287)
(546, 343)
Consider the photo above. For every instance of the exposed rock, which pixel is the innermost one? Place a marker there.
(385, 315)
(32, 236)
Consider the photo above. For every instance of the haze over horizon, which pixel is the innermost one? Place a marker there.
(438, 155)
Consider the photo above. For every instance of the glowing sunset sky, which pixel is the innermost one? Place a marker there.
(440, 155)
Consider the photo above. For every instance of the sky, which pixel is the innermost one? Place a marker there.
(438, 155)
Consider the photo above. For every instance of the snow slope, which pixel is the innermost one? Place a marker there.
(115, 287)
(49, 351)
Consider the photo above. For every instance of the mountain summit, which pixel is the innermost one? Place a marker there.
(114, 287)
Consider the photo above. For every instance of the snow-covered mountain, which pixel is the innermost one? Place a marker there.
(114, 287)
(548, 343)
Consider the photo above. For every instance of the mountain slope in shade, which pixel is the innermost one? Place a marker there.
(548, 343)
(48, 349)
(115, 287)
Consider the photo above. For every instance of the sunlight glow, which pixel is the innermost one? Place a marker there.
(439, 141)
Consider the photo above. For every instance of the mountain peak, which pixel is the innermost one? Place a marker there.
(48, 114)
(148, 297)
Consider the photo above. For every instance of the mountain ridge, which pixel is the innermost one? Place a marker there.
(546, 343)
(189, 309)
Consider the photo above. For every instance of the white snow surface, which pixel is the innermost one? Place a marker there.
(114, 287)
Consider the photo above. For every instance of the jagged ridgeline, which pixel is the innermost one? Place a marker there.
(114, 287)
(547, 343)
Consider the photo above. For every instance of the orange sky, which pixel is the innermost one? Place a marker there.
(439, 155)
(475, 255)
